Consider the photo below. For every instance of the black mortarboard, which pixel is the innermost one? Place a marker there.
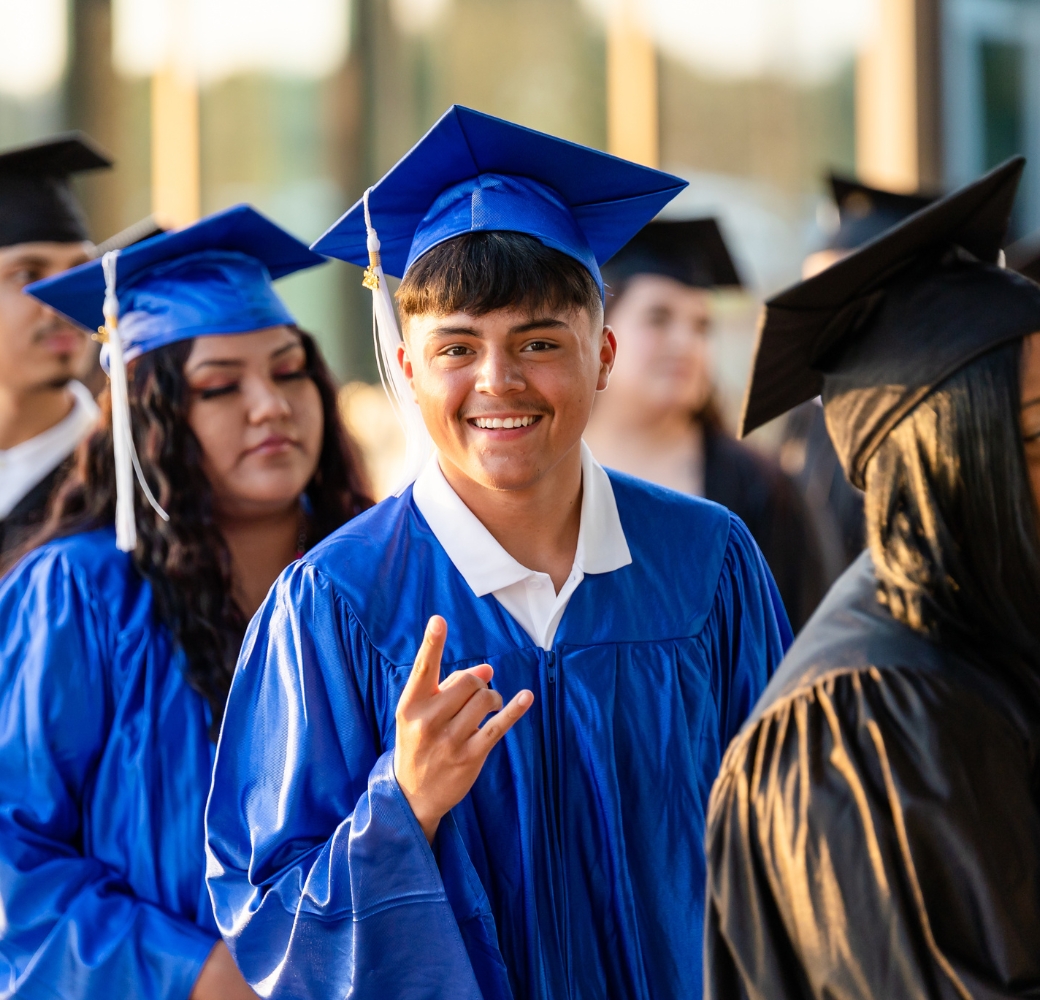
(37, 203)
(691, 251)
(865, 212)
(880, 329)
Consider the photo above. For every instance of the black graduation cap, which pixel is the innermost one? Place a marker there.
(879, 330)
(36, 199)
(691, 251)
(866, 212)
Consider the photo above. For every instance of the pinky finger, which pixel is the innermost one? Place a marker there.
(501, 722)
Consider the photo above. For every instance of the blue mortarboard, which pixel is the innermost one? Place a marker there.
(211, 277)
(472, 172)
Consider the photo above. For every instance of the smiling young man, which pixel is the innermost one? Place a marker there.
(44, 413)
(469, 744)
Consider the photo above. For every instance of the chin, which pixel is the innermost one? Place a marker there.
(271, 497)
(507, 475)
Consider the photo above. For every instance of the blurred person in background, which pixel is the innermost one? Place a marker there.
(44, 411)
(120, 628)
(875, 829)
(659, 420)
(806, 452)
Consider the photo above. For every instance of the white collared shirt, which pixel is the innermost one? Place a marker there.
(28, 463)
(527, 595)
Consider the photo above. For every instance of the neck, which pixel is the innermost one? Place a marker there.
(537, 525)
(24, 414)
(666, 447)
(261, 547)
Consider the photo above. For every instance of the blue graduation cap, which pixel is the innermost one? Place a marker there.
(213, 277)
(472, 172)
(475, 173)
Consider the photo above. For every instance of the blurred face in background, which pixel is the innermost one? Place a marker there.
(663, 364)
(38, 349)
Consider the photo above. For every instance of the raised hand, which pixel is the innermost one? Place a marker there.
(441, 745)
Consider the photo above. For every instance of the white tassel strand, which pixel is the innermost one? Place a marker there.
(387, 337)
(126, 460)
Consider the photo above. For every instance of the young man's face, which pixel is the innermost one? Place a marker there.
(38, 348)
(507, 395)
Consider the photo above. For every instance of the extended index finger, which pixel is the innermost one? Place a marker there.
(426, 671)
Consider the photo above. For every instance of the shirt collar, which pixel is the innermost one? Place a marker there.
(482, 561)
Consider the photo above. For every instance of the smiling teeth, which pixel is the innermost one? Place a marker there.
(507, 423)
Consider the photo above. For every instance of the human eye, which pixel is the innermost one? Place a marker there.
(537, 346)
(658, 318)
(456, 351)
(215, 391)
(291, 372)
(26, 275)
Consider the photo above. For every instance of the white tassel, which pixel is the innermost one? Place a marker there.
(125, 456)
(387, 337)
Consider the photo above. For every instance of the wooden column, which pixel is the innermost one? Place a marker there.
(176, 196)
(632, 107)
(898, 113)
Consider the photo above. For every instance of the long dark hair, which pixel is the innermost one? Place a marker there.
(186, 559)
(952, 522)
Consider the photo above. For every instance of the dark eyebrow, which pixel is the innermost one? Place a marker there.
(286, 347)
(539, 323)
(27, 260)
(454, 331)
(218, 363)
(234, 363)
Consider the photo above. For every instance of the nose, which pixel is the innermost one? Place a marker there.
(267, 402)
(499, 373)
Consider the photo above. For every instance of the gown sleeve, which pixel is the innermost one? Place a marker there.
(875, 836)
(322, 880)
(70, 927)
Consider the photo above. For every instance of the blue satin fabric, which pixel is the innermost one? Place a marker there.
(575, 866)
(104, 770)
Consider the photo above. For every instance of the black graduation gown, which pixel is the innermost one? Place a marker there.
(768, 502)
(875, 828)
(28, 514)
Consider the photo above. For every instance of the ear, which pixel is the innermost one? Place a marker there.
(405, 363)
(607, 355)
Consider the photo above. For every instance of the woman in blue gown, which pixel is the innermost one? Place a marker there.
(114, 665)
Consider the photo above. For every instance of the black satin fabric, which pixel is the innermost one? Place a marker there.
(875, 829)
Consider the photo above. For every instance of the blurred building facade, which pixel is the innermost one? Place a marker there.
(297, 106)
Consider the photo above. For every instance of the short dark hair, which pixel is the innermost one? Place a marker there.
(952, 522)
(480, 272)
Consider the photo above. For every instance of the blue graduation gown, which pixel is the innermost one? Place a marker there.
(104, 769)
(575, 866)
